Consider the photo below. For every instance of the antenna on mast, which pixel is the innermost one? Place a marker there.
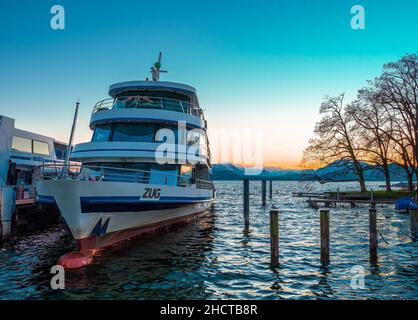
(155, 69)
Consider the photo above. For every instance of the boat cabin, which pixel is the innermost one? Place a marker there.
(22, 151)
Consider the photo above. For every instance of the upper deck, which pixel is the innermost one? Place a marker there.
(119, 88)
(155, 95)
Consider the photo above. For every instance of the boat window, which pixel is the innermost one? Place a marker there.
(40, 147)
(186, 170)
(153, 100)
(163, 176)
(23, 176)
(102, 133)
(166, 137)
(60, 150)
(133, 166)
(22, 144)
(174, 105)
(134, 133)
(197, 137)
(142, 102)
(156, 93)
(119, 104)
(144, 132)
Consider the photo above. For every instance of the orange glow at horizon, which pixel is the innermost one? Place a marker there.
(275, 165)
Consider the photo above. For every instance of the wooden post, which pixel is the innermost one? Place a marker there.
(247, 203)
(263, 192)
(274, 237)
(324, 222)
(6, 211)
(372, 203)
(20, 192)
(414, 223)
(271, 189)
(338, 197)
(373, 234)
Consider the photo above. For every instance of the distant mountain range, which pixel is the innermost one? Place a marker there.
(337, 171)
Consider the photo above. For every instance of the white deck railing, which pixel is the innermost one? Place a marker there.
(147, 102)
(115, 174)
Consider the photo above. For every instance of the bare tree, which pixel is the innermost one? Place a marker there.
(335, 138)
(374, 128)
(380, 127)
(401, 154)
(398, 87)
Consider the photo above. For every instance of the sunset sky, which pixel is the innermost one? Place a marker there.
(256, 64)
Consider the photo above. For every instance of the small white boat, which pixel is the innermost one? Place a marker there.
(147, 166)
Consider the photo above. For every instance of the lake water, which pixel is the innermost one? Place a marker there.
(214, 258)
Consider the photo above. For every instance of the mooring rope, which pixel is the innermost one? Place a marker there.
(383, 238)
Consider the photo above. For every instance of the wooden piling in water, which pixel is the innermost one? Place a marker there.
(372, 202)
(274, 237)
(263, 192)
(6, 212)
(246, 194)
(414, 224)
(271, 190)
(373, 234)
(324, 226)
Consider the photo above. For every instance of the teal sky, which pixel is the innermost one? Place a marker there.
(259, 64)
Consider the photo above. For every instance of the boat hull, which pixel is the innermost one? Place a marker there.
(102, 214)
(116, 237)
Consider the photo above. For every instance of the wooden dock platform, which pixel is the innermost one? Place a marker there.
(308, 194)
(314, 203)
(28, 201)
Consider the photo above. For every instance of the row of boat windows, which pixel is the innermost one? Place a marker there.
(170, 174)
(38, 147)
(152, 103)
(161, 100)
(153, 100)
(141, 166)
(29, 145)
(143, 132)
(155, 94)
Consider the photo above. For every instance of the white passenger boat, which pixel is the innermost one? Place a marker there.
(147, 166)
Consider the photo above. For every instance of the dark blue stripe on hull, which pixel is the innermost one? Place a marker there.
(125, 200)
(46, 200)
(128, 207)
(128, 204)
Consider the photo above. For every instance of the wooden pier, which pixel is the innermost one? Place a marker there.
(317, 200)
(314, 203)
(19, 212)
(308, 194)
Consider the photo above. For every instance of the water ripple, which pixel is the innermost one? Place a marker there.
(215, 258)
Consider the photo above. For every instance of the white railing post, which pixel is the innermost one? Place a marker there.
(181, 105)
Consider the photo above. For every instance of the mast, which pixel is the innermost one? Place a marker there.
(70, 142)
(155, 69)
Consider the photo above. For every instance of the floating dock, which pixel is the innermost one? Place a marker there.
(329, 199)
